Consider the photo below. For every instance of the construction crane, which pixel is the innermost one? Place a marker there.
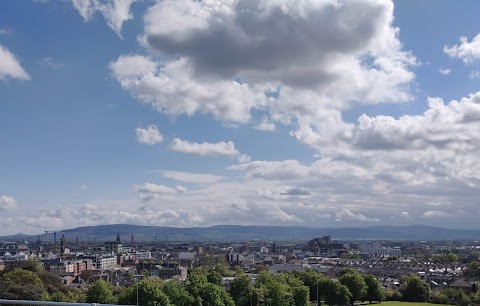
(54, 241)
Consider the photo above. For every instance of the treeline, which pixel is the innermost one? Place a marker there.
(414, 289)
(204, 288)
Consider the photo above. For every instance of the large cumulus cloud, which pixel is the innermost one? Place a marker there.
(226, 57)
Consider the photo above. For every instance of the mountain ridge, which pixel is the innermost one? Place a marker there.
(107, 232)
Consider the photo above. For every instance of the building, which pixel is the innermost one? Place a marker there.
(377, 250)
(105, 261)
(169, 271)
(114, 247)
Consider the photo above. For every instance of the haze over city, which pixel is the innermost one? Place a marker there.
(198, 113)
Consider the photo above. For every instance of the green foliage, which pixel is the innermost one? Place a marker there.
(177, 294)
(330, 291)
(311, 278)
(301, 296)
(222, 269)
(210, 294)
(32, 265)
(22, 277)
(21, 284)
(87, 275)
(127, 296)
(350, 256)
(214, 277)
(150, 293)
(355, 284)
(445, 258)
(241, 290)
(334, 293)
(275, 290)
(100, 292)
(439, 297)
(473, 269)
(67, 297)
(374, 291)
(214, 295)
(392, 294)
(414, 289)
(347, 271)
(51, 281)
(462, 299)
(476, 298)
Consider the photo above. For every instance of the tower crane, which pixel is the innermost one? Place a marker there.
(54, 241)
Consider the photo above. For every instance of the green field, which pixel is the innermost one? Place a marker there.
(406, 304)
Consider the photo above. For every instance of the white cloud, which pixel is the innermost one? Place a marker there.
(115, 12)
(435, 214)
(474, 75)
(10, 67)
(345, 215)
(208, 149)
(50, 62)
(297, 191)
(195, 178)
(5, 32)
(445, 71)
(221, 58)
(149, 136)
(7, 203)
(149, 191)
(467, 51)
(83, 187)
(172, 88)
(265, 126)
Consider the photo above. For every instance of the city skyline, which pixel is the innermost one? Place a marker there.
(199, 113)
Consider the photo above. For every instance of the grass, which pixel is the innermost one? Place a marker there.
(406, 304)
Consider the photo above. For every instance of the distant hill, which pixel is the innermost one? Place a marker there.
(239, 232)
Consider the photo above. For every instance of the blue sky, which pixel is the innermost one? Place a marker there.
(183, 113)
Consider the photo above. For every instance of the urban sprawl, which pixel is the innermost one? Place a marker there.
(322, 270)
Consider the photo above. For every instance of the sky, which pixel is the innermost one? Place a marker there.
(320, 113)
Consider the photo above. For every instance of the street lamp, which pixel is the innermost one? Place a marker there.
(317, 292)
(136, 283)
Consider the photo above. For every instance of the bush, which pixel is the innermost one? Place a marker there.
(392, 294)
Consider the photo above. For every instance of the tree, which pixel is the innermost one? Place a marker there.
(275, 289)
(214, 277)
(59, 296)
(334, 293)
(51, 281)
(222, 269)
(214, 295)
(86, 275)
(414, 289)
(100, 292)
(22, 277)
(177, 294)
(347, 271)
(346, 255)
(355, 284)
(210, 294)
(439, 297)
(241, 290)
(21, 284)
(473, 269)
(462, 299)
(149, 294)
(301, 296)
(374, 291)
(392, 294)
